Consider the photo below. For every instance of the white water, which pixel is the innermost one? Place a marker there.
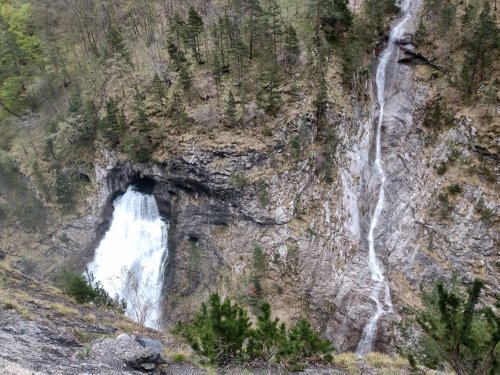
(132, 256)
(380, 290)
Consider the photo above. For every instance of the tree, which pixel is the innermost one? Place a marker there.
(458, 331)
(181, 65)
(113, 123)
(217, 74)
(292, 46)
(332, 17)
(117, 44)
(270, 79)
(222, 332)
(177, 110)
(218, 330)
(481, 50)
(321, 101)
(269, 339)
(21, 57)
(158, 90)
(194, 29)
(231, 110)
(254, 11)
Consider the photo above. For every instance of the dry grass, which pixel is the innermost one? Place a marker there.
(63, 309)
(347, 361)
(383, 364)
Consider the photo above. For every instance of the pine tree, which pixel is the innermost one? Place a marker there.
(275, 26)
(332, 17)
(321, 100)
(270, 79)
(113, 123)
(194, 29)
(481, 50)
(117, 44)
(217, 74)
(181, 65)
(292, 46)
(231, 110)
(158, 89)
(458, 331)
(177, 109)
(253, 11)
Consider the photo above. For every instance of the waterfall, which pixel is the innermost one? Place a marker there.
(380, 293)
(132, 256)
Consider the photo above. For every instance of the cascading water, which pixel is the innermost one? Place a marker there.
(380, 293)
(132, 256)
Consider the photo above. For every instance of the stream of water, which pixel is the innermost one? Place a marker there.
(132, 256)
(380, 293)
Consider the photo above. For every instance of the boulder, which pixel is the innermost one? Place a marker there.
(125, 351)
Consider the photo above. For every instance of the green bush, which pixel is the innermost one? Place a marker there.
(458, 330)
(441, 168)
(455, 189)
(218, 330)
(84, 288)
(222, 332)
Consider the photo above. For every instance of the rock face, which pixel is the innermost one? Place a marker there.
(32, 348)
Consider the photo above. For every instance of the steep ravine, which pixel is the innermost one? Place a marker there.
(225, 197)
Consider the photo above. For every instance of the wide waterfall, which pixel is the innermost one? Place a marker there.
(132, 256)
(380, 293)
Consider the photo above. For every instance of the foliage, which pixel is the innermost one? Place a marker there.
(437, 116)
(181, 65)
(231, 110)
(333, 17)
(223, 332)
(459, 330)
(481, 50)
(85, 289)
(117, 44)
(113, 123)
(21, 56)
(218, 330)
(454, 189)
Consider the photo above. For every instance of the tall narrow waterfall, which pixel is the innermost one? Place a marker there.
(380, 293)
(132, 256)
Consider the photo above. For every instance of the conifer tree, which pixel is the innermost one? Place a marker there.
(181, 65)
(113, 123)
(231, 110)
(117, 44)
(270, 79)
(458, 331)
(292, 46)
(177, 109)
(217, 74)
(158, 89)
(481, 49)
(194, 29)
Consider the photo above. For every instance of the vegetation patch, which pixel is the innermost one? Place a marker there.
(222, 332)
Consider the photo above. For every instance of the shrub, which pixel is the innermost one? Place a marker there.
(441, 168)
(458, 331)
(218, 330)
(445, 207)
(222, 331)
(178, 357)
(84, 288)
(239, 180)
(455, 189)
